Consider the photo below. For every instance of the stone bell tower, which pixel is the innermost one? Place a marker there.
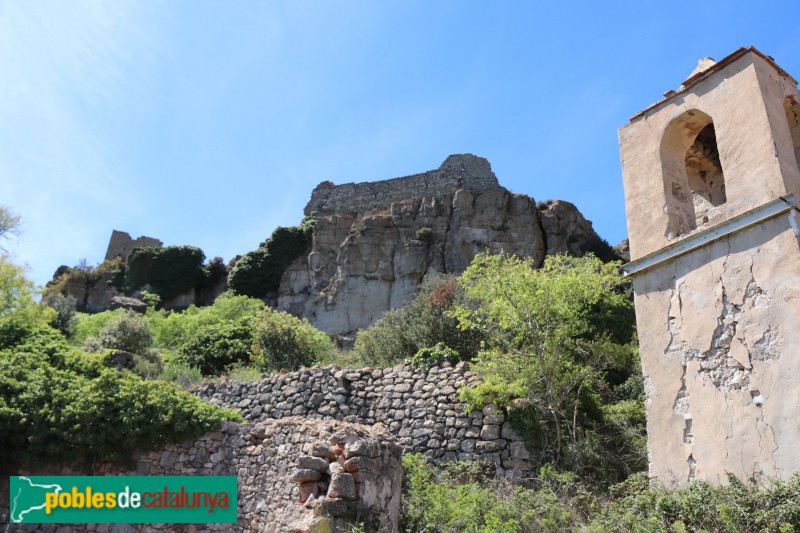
(711, 179)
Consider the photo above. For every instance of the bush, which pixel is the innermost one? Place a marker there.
(181, 374)
(259, 272)
(428, 357)
(61, 405)
(64, 307)
(90, 325)
(218, 346)
(174, 329)
(129, 332)
(424, 322)
(460, 497)
(169, 271)
(286, 342)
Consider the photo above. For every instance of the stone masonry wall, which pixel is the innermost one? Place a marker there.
(462, 171)
(361, 477)
(121, 244)
(421, 409)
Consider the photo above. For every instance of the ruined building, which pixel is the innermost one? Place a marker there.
(121, 244)
(374, 242)
(711, 177)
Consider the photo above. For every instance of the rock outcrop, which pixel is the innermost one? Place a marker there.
(375, 242)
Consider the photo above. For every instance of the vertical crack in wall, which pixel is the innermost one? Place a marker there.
(692, 468)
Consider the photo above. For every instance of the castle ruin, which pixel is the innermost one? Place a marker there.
(121, 244)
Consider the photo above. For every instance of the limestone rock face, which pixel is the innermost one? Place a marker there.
(568, 232)
(375, 242)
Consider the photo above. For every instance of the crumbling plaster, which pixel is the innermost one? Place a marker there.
(758, 161)
(717, 333)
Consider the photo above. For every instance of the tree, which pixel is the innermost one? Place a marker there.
(9, 222)
(282, 341)
(554, 332)
(422, 323)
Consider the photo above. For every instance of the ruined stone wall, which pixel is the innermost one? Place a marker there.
(121, 244)
(421, 409)
(357, 468)
(464, 171)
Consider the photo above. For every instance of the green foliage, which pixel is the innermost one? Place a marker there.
(428, 357)
(638, 506)
(218, 346)
(283, 341)
(90, 325)
(259, 272)
(59, 404)
(243, 372)
(9, 222)
(458, 499)
(425, 234)
(169, 271)
(17, 295)
(64, 307)
(127, 331)
(557, 333)
(181, 374)
(462, 497)
(172, 330)
(424, 322)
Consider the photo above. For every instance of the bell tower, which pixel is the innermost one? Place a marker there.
(711, 176)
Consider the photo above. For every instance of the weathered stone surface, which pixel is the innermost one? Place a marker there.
(436, 426)
(375, 242)
(121, 244)
(313, 463)
(267, 498)
(306, 474)
(126, 302)
(342, 486)
(718, 325)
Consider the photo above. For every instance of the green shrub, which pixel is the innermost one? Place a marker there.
(283, 341)
(425, 234)
(169, 271)
(90, 325)
(127, 331)
(64, 307)
(242, 372)
(61, 405)
(174, 329)
(639, 505)
(424, 322)
(259, 272)
(181, 374)
(218, 346)
(428, 357)
(460, 497)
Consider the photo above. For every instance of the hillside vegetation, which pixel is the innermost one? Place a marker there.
(555, 347)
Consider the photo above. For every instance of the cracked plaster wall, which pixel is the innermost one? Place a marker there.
(718, 330)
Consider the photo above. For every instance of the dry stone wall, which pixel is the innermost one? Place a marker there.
(360, 479)
(420, 408)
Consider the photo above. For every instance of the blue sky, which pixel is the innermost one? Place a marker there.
(209, 123)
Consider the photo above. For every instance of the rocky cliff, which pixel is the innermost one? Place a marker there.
(375, 242)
